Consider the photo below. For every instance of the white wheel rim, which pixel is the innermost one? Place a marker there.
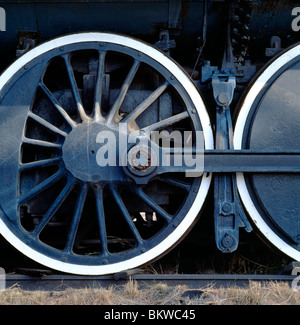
(208, 138)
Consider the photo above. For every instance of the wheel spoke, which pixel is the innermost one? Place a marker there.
(146, 103)
(42, 186)
(57, 105)
(74, 88)
(41, 143)
(126, 215)
(101, 219)
(40, 163)
(99, 87)
(176, 182)
(166, 122)
(55, 205)
(76, 218)
(46, 124)
(118, 103)
(168, 218)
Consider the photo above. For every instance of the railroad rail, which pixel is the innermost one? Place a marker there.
(60, 282)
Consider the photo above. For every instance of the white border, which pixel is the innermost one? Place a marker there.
(254, 91)
(208, 137)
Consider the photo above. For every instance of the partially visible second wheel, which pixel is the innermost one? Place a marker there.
(66, 201)
(269, 119)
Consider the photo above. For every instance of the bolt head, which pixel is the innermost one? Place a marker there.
(227, 241)
(223, 99)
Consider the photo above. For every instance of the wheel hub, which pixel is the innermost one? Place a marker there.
(87, 158)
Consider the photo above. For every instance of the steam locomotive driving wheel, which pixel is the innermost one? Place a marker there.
(269, 120)
(68, 200)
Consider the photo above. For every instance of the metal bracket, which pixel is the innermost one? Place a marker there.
(242, 73)
(229, 215)
(223, 89)
(164, 43)
(27, 44)
(275, 46)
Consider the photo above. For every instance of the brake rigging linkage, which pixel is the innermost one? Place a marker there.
(229, 214)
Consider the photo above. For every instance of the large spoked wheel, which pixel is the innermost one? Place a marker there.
(269, 119)
(66, 107)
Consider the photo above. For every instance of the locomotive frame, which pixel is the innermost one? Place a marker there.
(240, 164)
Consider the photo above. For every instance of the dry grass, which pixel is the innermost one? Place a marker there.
(129, 294)
(256, 294)
(156, 294)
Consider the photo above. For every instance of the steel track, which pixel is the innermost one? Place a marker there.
(191, 281)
